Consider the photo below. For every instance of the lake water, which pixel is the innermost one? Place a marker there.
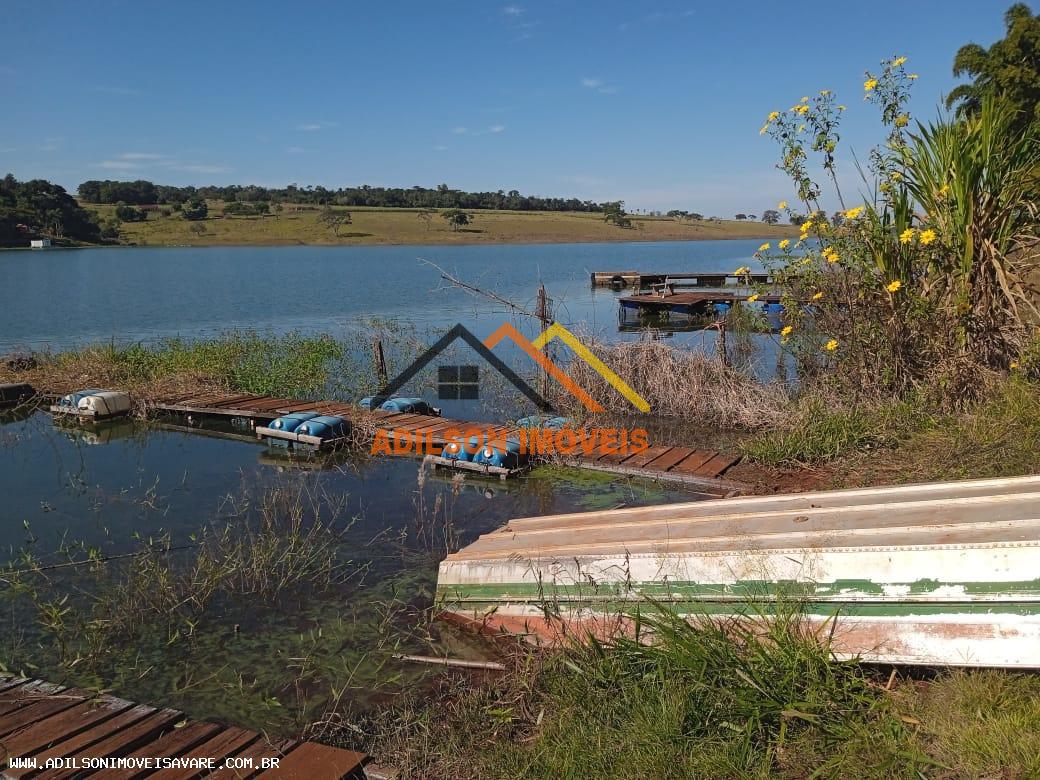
(72, 492)
(62, 298)
(112, 490)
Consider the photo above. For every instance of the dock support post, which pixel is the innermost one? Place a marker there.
(380, 361)
(545, 318)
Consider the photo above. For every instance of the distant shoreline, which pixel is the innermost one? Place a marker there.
(405, 227)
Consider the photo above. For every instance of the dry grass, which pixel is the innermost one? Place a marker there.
(403, 226)
(682, 384)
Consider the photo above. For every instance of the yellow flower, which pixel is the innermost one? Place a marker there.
(742, 270)
(893, 286)
(897, 176)
(817, 296)
(927, 237)
(800, 109)
(825, 92)
(764, 247)
(773, 116)
(831, 345)
(830, 254)
(805, 99)
(898, 61)
(785, 243)
(841, 107)
(1013, 365)
(854, 213)
(782, 205)
(752, 298)
(806, 226)
(786, 331)
(912, 77)
(906, 236)
(943, 190)
(902, 120)
(869, 84)
(762, 129)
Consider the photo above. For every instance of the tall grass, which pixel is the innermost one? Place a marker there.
(708, 698)
(681, 383)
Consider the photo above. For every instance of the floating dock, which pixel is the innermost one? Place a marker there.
(640, 280)
(933, 574)
(698, 468)
(41, 722)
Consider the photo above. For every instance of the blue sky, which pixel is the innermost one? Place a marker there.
(658, 104)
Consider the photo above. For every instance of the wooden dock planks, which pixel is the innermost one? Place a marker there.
(661, 462)
(43, 721)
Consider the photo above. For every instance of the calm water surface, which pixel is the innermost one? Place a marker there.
(63, 298)
(105, 490)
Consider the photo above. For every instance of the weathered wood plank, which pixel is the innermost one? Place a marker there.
(65, 725)
(311, 761)
(718, 465)
(668, 459)
(227, 742)
(692, 462)
(257, 751)
(172, 743)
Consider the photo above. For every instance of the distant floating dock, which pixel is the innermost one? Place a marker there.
(642, 280)
(41, 722)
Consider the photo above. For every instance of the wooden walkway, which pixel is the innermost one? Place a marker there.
(40, 722)
(690, 466)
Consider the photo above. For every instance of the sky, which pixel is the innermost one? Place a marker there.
(655, 103)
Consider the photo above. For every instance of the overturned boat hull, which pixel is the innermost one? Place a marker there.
(938, 574)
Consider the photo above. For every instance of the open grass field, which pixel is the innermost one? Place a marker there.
(301, 225)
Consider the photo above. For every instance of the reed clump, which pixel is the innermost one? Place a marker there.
(681, 383)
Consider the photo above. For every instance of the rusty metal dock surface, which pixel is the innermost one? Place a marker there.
(41, 721)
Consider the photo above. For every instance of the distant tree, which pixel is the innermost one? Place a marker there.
(770, 216)
(696, 216)
(195, 209)
(456, 218)
(741, 217)
(1010, 68)
(261, 207)
(334, 220)
(125, 213)
(796, 219)
(198, 228)
(277, 208)
(752, 217)
(30, 209)
(614, 211)
(425, 216)
(678, 214)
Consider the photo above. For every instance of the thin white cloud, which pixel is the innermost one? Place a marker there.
(512, 10)
(295, 150)
(497, 129)
(310, 127)
(141, 156)
(50, 144)
(440, 148)
(460, 130)
(599, 86)
(202, 168)
(118, 165)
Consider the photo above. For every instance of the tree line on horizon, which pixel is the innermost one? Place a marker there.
(142, 192)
